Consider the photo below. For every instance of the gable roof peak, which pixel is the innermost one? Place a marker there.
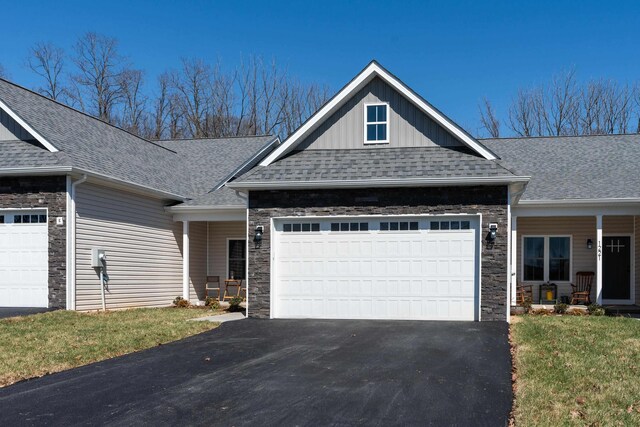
(371, 71)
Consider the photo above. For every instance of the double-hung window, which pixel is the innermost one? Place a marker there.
(546, 258)
(376, 119)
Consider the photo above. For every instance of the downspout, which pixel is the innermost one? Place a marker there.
(71, 224)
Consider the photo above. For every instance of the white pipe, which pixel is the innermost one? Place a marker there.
(71, 262)
(104, 302)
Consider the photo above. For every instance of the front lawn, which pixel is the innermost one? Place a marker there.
(573, 370)
(36, 345)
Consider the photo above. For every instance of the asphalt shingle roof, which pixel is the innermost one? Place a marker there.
(585, 167)
(376, 163)
(185, 168)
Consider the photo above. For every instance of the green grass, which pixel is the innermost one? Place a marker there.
(32, 346)
(573, 370)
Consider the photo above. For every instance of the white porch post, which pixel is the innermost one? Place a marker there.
(185, 260)
(599, 259)
(514, 258)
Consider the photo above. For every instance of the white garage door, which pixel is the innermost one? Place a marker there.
(23, 259)
(377, 268)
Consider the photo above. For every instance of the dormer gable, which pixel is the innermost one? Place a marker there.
(404, 119)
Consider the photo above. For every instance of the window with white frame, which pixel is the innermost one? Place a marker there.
(376, 128)
(546, 258)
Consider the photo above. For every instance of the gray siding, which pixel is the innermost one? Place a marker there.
(10, 130)
(636, 226)
(218, 234)
(408, 126)
(197, 259)
(581, 229)
(143, 244)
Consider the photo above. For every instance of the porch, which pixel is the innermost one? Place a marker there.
(214, 248)
(551, 245)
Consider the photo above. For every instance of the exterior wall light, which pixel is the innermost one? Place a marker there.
(257, 237)
(493, 229)
(589, 244)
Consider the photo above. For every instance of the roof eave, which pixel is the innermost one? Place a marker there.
(580, 202)
(41, 139)
(376, 183)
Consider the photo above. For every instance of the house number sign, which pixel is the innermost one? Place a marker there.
(599, 249)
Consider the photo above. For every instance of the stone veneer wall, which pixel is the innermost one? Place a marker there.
(44, 192)
(490, 201)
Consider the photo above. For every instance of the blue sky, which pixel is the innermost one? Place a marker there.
(452, 53)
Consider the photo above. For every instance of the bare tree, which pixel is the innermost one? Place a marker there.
(193, 90)
(134, 101)
(47, 61)
(523, 115)
(98, 79)
(488, 119)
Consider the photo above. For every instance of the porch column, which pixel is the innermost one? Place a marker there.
(514, 258)
(185, 260)
(599, 259)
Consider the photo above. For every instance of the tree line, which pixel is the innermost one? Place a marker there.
(565, 106)
(195, 100)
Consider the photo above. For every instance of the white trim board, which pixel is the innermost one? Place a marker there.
(41, 139)
(363, 78)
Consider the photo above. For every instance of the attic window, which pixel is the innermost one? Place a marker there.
(376, 127)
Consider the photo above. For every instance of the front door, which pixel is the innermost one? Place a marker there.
(616, 266)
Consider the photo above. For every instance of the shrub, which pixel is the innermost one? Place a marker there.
(181, 302)
(560, 308)
(596, 310)
(234, 304)
(212, 302)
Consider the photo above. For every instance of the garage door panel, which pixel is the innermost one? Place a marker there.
(23, 262)
(420, 274)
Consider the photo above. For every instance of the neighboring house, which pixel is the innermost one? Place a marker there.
(378, 206)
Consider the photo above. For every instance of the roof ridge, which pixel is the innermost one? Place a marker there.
(53, 101)
(596, 135)
(212, 138)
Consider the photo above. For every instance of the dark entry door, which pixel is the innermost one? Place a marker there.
(616, 266)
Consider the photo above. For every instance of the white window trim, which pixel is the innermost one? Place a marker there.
(387, 122)
(246, 260)
(545, 265)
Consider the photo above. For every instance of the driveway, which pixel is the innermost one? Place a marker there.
(21, 311)
(287, 372)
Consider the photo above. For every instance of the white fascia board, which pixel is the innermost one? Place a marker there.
(118, 183)
(210, 215)
(582, 202)
(42, 140)
(43, 170)
(371, 71)
(377, 183)
(203, 208)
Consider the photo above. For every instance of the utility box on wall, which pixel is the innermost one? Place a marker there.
(98, 258)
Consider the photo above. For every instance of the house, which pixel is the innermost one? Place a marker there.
(377, 207)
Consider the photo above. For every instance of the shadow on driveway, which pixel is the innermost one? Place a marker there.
(288, 372)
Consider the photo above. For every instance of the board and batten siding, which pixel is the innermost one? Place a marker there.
(10, 130)
(219, 233)
(580, 229)
(143, 247)
(408, 125)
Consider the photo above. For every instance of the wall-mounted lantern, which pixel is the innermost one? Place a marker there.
(493, 229)
(589, 244)
(257, 237)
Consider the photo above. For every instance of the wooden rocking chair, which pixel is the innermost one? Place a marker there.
(581, 290)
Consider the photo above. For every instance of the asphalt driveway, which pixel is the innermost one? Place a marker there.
(287, 372)
(21, 311)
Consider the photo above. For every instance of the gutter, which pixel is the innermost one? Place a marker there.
(203, 208)
(65, 170)
(377, 183)
(582, 202)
